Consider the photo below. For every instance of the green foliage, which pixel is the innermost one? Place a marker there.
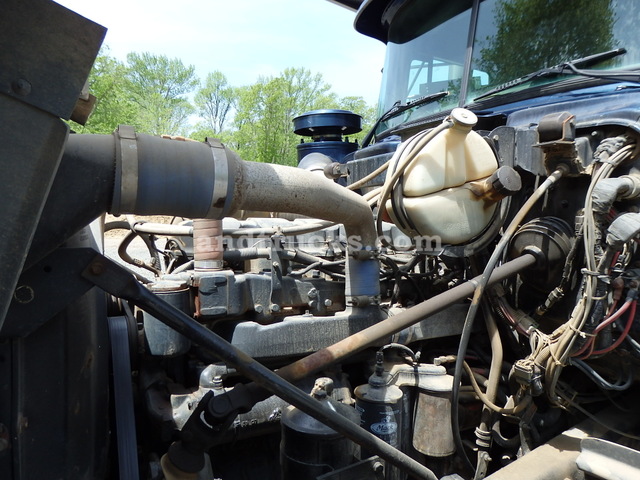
(151, 93)
(512, 52)
(263, 128)
(215, 101)
(158, 85)
(369, 113)
(113, 105)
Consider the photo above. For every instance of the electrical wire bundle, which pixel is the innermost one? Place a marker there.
(553, 352)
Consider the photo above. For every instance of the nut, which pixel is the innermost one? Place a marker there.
(21, 87)
(24, 294)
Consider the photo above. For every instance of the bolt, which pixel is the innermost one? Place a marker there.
(258, 308)
(274, 307)
(275, 415)
(328, 303)
(24, 294)
(217, 382)
(313, 293)
(275, 264)
(21, 87)
(377, 467)
(97, 268)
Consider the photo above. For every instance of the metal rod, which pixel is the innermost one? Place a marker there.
(113, 279)
(362, 339)
(110, 277)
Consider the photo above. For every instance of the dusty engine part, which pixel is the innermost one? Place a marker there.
(500, 182)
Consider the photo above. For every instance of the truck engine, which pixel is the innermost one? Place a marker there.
(454, 298)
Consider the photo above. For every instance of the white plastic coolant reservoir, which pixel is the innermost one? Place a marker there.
(436, 197)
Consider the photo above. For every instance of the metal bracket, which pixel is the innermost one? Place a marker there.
(125, 193)
(45, 289)
(221, 200)
(279, 268)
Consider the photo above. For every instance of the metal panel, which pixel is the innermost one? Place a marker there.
(46, 54)
(31, 142)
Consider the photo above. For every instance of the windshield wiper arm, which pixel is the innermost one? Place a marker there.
(570, 68)
(399, 108)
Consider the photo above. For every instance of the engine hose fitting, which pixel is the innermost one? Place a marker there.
(483, 438)
(207, 244)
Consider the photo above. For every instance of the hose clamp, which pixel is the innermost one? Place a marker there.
(125, 194)
(220, 197)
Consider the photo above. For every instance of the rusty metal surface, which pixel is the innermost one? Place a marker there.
(207, 242)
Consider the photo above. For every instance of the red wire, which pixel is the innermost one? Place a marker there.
(612, 318)
(607, 321)
(615, 259)
(624, 334)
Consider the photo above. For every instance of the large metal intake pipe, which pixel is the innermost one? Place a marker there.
(145, 175)
(264, 186)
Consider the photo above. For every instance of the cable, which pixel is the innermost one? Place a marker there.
(187, 230)
(623, 335)
(369, 177)
(403, 348)
(555, 349)
(573, 404)
(520, 407)
(122, 252)
(479, 291)
(289, 230)
(607, 321)
(597, 378)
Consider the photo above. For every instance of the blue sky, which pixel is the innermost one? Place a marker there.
(245, 39)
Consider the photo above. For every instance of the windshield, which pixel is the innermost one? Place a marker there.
(427, 46)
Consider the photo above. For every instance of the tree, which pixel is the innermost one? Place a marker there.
(559, 27)
(264, 131)
(367, 112)
(158, 85)
(113, 106)
(215, 100)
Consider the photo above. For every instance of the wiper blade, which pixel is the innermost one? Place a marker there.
(571, 68)
(399, 108)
